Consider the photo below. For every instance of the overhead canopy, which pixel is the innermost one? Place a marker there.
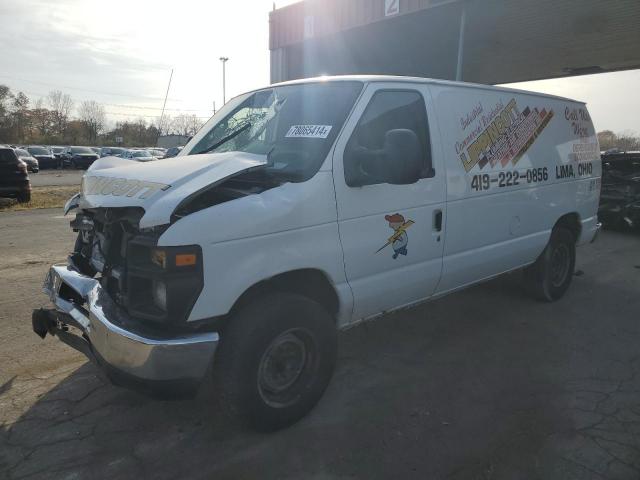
(502, 41)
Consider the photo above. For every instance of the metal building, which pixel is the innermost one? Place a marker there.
(485, 41)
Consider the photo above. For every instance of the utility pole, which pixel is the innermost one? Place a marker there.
(163, 106)
(224, 79)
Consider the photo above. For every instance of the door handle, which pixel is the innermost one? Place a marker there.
(437, 220)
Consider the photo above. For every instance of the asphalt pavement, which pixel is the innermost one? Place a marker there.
(56, 178)
(483, 384)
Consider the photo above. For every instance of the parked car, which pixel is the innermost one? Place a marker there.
(157, 152)
(172, 152)
(139, 155)
(112, 151)
(349, 198)
(620, 193)
(58, 152)
(14, 178)
(79, 157)
(26, 157)
(46, 159)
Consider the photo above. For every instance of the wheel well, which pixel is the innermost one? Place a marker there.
(310, 283)
(570, 221)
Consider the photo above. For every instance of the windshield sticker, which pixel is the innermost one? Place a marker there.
(308, 131)
(500, 136)
(399, 240)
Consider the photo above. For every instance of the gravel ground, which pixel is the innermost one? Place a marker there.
(482, 384)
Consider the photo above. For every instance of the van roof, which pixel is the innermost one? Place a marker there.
(432, 81)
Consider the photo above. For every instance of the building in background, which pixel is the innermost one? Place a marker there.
(485, 41)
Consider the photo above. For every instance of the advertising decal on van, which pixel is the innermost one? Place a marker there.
(399, 240)
(502, 136)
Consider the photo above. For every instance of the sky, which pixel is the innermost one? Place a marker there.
(121, 52)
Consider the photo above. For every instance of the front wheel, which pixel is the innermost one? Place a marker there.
(275, 360)
(550, 276)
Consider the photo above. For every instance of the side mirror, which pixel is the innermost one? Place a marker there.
(402, 151)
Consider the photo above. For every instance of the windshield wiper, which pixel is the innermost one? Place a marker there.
(224, 140)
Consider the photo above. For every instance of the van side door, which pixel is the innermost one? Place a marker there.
(390, 216)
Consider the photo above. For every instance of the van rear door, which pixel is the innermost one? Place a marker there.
(390, 216)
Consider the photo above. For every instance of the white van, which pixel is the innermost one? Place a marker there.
(306, 207)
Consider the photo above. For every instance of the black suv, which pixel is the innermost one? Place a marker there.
(14, 179)
(45, 158)
(79, 157)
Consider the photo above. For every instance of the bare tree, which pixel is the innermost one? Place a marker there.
(628, 141)
(5, 97)
(94, 117)
(61, 105)
(607, 140)
(42, 119)
(186, 125)
(21, 115)
(5, 119)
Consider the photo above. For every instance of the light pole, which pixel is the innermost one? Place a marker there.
(224, 79)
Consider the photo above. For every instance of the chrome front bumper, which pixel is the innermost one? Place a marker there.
(110, 337)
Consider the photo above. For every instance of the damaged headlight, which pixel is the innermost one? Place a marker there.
(177, 257)
(159, 292)
(163, 282)
(97, 256)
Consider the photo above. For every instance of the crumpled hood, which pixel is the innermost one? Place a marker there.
(159, 187)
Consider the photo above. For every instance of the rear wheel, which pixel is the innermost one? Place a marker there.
(275, 360)
(550, 276)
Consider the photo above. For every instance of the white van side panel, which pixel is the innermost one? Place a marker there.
(516, 163)
(251, 239)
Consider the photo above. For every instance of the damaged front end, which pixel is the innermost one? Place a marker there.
(123, 302)
(157, 285)
(124, 299)
(620, 192)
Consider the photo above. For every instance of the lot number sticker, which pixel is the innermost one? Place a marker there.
(308, 131)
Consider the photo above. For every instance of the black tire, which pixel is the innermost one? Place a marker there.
(24, 197)
(73, 165)
(275, 360)
(550, 276)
